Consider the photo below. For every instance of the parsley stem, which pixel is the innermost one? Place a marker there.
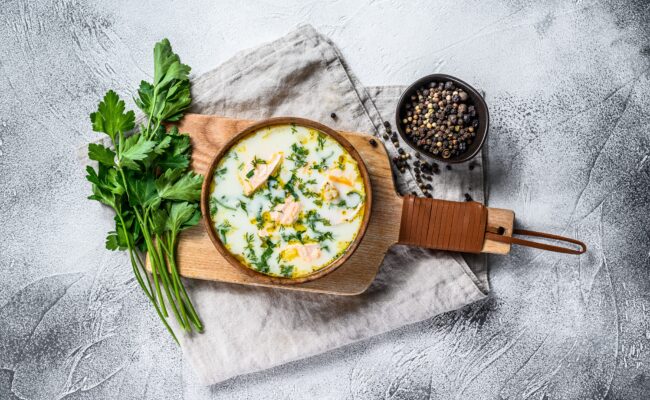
(138, 277)
(175, 283)
(165, 280)
(171, 248)
(153, 257)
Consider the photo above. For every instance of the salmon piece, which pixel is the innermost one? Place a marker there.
(307, 252)
(263, 233)
(287, 212)
(261, 174)
(329, 192)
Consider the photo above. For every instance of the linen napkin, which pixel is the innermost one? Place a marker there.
(249, 329)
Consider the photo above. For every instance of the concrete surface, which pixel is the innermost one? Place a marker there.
(567, 84)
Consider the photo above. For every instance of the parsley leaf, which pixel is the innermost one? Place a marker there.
(110, 117)
(101, 154)
(169, 95)
(182, 215)
(136, 148)
(186, 188)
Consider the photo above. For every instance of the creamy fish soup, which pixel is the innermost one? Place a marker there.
(287, 200)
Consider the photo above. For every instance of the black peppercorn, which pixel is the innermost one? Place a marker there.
(333, 115)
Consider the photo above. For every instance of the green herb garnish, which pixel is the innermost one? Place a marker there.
(286, 270)
(214, 207)
(340, 163)
(321, 141)
(221, 172)
(257, 161)
(259, 219)
(289, 185)
(287, 237)
(223, 228)
(302, 186)
(263, 264)
(322, 165)
(312, 218)
(298, 155)
(325, 236)
(249, 248)
(216, 203)
(242, 205)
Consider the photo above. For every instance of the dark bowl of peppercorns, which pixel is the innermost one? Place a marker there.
(443, 117)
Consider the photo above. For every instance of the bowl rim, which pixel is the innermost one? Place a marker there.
(477, 99)
(206, 192)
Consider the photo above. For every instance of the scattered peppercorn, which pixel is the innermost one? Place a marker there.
(440, 119)
(468, 197)
(333, 115)
(387, 125)
(471, 166)
(385, 136)
(373, 142)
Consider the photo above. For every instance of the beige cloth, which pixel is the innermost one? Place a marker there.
(249, 329)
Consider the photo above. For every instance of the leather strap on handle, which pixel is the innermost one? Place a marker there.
(462, 226)
(443, 225)
(538, 245)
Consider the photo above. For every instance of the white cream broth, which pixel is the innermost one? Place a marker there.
(299, 220)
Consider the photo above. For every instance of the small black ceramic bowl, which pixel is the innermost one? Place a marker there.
(475, 98)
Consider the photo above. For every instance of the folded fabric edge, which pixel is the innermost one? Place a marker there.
(470, 287)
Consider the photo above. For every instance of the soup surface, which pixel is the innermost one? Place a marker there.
(287, 200)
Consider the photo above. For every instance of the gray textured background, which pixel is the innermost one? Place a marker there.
(567, 84)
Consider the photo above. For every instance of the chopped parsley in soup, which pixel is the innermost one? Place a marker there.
(287, 200)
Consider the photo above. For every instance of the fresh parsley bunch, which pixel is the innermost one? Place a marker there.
(145, 178)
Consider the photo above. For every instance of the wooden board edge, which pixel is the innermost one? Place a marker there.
(499, 218)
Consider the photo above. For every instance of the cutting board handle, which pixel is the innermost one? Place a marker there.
(543, 246)
(465, 227)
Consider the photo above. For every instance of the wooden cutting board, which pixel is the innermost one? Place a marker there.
(198, 258)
